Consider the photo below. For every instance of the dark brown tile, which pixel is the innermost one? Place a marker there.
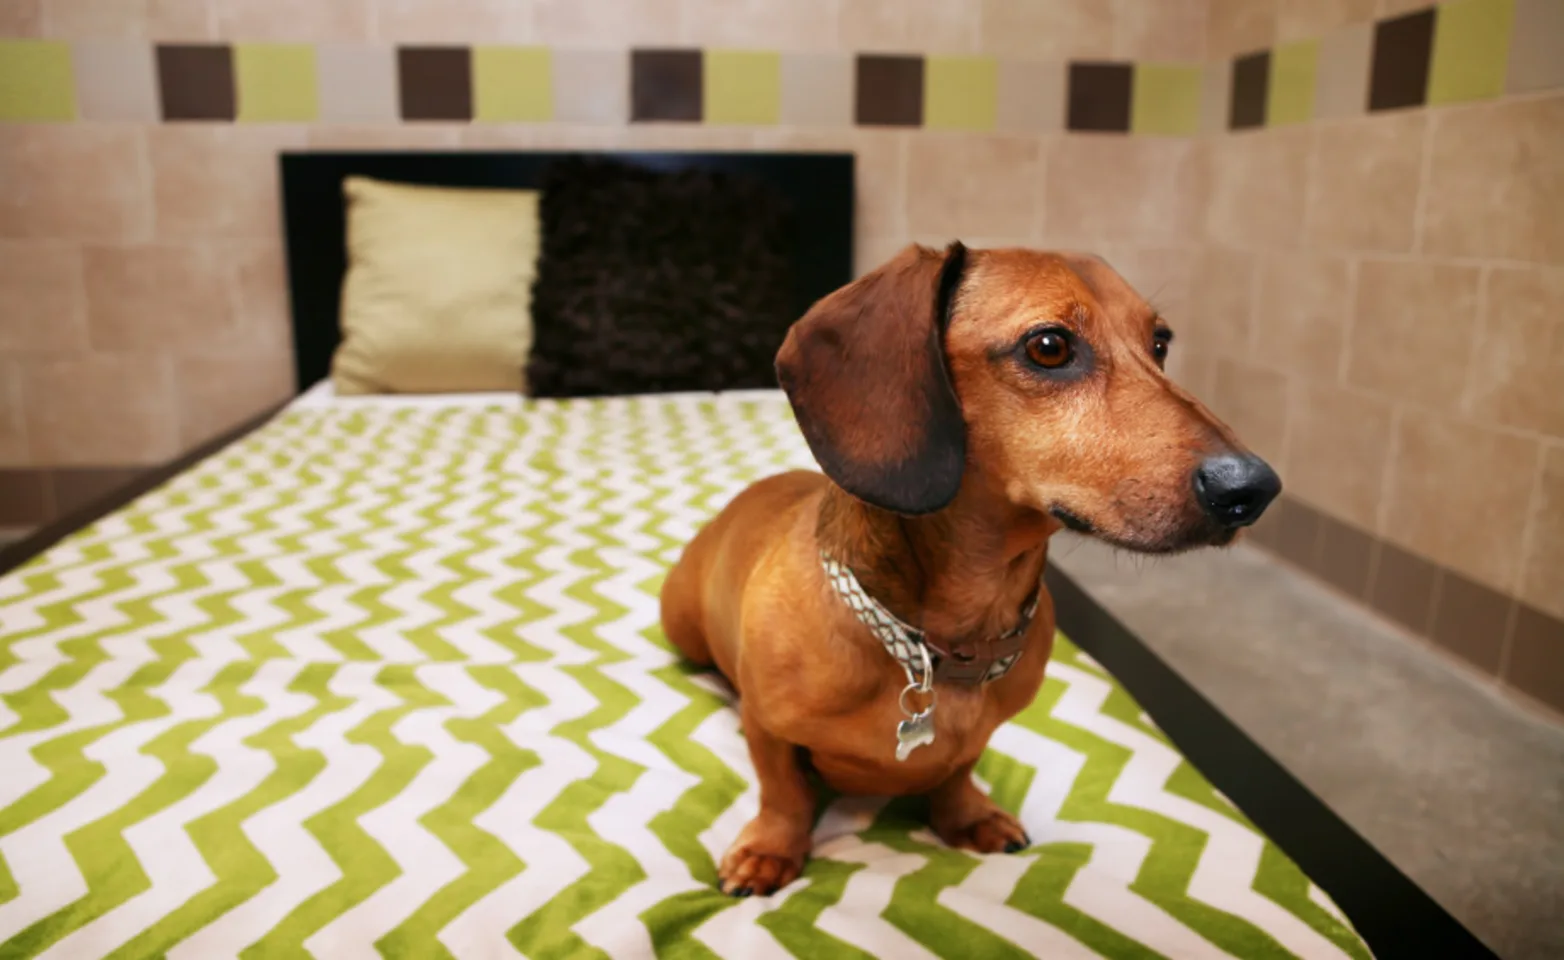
(1403, 588)
(890, 91)
(1537, 656)
(24, 498)
(1403, 48)
(435, 82)
(1298, 533)
(1251, 84)
(665, 85)
(196, 81)
(76, 488)
(1099, 97)
(1343, 557)
(1470, 621)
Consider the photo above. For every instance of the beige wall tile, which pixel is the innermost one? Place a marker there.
(95, 19)
(1307, 19)
(1535, 43)
(1159, 30)
(1338, 451)
(1193, 370)
(42, 306)
(365, 136)
(1458, 494)
(357, 82)
(1256, 181)
(218, 182)
(21, 18)
(115, 80)
(902, 26)
(1342, 76)
(607, 24)
(1031, 97)
(1542, 580)
(74, 182)
(871, 252)
(1239, 26)
(1221, 303)
(1301, 309)
(1161, 275)
(960, 186)
(1216, 88)
(293, 20)
(1518, 372)
(1390, 8)
(215, 394)
(180, 20)
(1496, 181)
(155, 297)
(795, 25)
(1254, 402)
(881, 188)
(1119, 188)
(1056, 30)
(1363, 191)
(100, 410)
(1412, 330)
(453, 21)
(257, 284)
(817, 89)
(13, 422)
(128, 19)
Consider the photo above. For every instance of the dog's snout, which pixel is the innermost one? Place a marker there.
(1234, 490)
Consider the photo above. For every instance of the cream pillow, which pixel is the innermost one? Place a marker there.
(438, 292)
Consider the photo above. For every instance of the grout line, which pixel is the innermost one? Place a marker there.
(1425, 171)
(1392, 453)
(1467, 399)
(1349, 322)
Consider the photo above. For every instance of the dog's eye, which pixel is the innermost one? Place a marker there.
(1159, 345)
(1049, 349)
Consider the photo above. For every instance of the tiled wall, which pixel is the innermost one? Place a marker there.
(1350, 209)
(1378, 305)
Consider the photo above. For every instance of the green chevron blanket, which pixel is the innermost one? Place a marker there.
(389, 682)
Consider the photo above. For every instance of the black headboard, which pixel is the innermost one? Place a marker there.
(819, 186)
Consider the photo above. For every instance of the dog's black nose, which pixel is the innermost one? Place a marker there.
(1234, 490)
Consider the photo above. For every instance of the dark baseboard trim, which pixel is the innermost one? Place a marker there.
(45, 537)
(1498, 636)
(1392, 913)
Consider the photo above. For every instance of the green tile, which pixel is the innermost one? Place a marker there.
(1471, 50)
(512, 84)
(742, 87)
(1165, 99)
(36, 81)
(1290, 93)
(277, 82)
(961, 93)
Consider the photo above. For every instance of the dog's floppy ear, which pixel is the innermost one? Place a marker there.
(865, 372)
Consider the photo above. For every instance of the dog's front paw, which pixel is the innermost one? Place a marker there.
(767, 856)
(986, 830)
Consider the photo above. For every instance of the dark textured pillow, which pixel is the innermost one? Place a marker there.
(652, 281)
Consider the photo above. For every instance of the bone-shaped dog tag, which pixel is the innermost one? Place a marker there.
(914, 732)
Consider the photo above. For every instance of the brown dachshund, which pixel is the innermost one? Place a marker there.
(964, 406)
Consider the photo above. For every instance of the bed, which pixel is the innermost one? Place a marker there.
(383, 677)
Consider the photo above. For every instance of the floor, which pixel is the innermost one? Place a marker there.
(1461, 789)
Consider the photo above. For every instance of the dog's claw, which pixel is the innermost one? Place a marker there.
(742, 892)
(1014, 846)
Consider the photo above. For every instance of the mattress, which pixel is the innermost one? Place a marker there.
(385, 678)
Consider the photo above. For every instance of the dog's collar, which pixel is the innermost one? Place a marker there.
(912, 648)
